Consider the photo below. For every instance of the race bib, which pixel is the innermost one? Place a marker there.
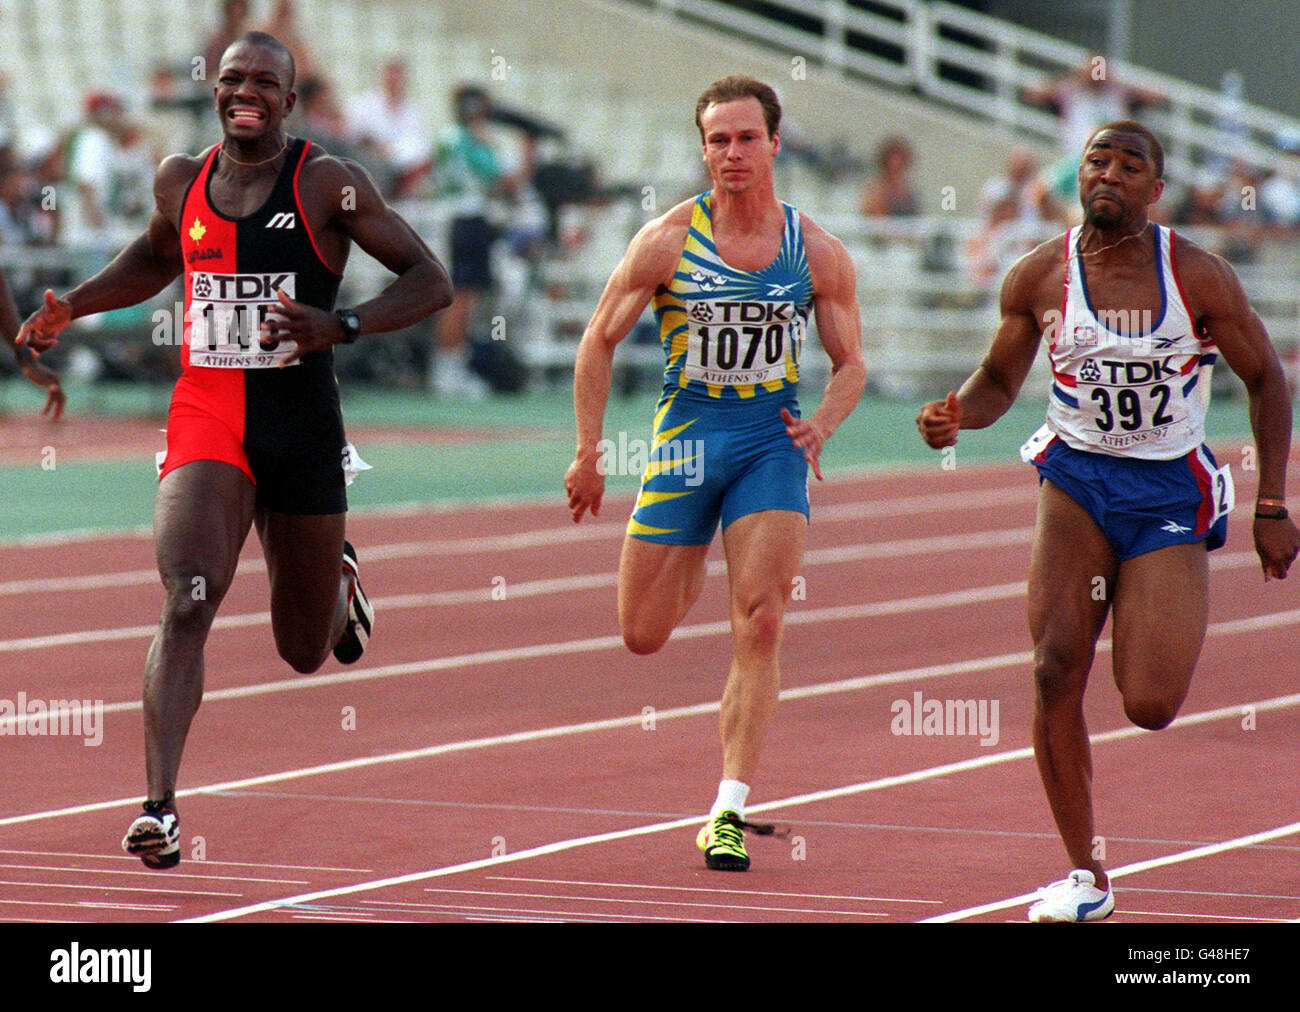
(735, 343)
(1127, 403)
(226, 315)
(1222, 493)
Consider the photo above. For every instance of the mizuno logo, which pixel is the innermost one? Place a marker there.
(285, 219)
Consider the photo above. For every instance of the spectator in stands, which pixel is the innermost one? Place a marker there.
(1017, 206)
(891, 194)
(1243, 216)
(1202, 201)
(1084, 99)
(1279, 194)
(388, 124)
(21, 219)
(89, 156)
(319, 118)
(470, 175)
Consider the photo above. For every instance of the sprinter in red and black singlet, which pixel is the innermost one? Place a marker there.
(234, 402)
(260, 228)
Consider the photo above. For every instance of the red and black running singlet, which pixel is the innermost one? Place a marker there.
(233, 269)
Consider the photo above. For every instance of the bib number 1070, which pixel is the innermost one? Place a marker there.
(739, 347)
(1126, 409)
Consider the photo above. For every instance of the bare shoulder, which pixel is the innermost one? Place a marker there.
(174, 175)
(655, 250)
(820, 245)
(670, 228)
(829, 261)
(1208, 281)
(178, 168)
(1039, 273)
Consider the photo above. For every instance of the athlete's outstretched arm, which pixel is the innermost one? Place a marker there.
(139, 272)
(839, 327)
(992, 388)
(649, 263)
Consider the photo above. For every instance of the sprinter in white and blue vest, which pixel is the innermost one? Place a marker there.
(1133, 318)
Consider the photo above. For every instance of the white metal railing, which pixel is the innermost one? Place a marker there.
(984, 66)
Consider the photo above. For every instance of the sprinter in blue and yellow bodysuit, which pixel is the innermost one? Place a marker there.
(733, 274)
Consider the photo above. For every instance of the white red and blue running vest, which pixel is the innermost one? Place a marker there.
(1129, 383)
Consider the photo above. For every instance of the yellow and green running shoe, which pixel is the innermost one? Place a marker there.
(723, 843)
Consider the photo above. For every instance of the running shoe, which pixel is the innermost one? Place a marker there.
(1072, 900)
(155, 836)
(360, 617)
(723, 844)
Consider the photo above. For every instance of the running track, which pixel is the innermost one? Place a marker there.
(497, 754)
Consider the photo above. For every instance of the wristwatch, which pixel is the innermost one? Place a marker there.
(351, 325)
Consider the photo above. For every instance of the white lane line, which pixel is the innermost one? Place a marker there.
(905, 548)
(206, 862)
(519, 737)
(1252, 624)
(476, 546)
(1182, 915)
(874, 609)
(660, 827)
(1132, 869)
(91, 904)
(541, 537)
(489, 593)
(154, 874)
(658, 903)
(838, 897)
(887, 473)
(158, 888)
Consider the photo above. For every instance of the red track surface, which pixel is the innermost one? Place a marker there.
(469, 765)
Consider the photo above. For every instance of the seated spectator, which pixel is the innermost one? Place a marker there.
(891, 194)
(388, 124)
(1017, 207)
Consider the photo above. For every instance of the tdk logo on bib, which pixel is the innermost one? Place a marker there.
(242, 287)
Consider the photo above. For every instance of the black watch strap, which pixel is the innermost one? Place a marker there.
(351, 325)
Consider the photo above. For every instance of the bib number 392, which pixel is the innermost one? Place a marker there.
(1127, 410)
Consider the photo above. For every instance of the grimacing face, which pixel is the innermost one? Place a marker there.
(1117, 179)
(253, 91)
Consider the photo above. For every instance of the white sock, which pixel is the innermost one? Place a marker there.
(732, 795)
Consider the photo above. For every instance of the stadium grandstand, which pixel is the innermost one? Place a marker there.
(605, 115)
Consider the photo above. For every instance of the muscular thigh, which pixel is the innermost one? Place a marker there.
(1160, 612)
(201, 517)
(657, 582)
(1072, 575)
(304, 556)
(764, 552)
